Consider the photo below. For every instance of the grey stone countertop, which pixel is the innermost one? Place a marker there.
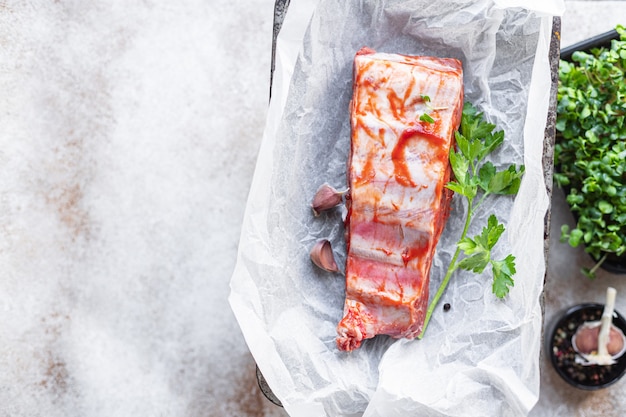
(129, 133)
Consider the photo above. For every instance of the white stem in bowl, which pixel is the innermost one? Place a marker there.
(606, 320)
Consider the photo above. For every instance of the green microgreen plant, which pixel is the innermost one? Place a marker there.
(476, 178)
(590, 152)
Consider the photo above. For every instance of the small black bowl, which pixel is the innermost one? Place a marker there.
(563, 356)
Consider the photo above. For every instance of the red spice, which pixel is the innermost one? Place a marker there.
(401, 169)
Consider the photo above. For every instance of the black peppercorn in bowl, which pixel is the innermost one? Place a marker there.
(568, 363)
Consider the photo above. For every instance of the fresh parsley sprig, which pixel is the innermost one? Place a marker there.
(476, 178)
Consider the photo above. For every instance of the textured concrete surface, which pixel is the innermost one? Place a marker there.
(128, 138)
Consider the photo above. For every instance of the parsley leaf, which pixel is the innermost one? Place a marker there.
(490, 235)
(478, 256)
(506, 182)
(503, 272)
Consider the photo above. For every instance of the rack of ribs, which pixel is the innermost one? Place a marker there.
(397, 203)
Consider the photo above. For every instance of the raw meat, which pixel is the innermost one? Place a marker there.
(397, 205)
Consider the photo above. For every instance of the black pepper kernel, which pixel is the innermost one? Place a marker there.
(446, 307)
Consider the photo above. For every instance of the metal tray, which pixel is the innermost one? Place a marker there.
(280, 10)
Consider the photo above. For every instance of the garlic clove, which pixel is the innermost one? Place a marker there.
(585, 342)
(585, 339)
(326, 198)
(616, 342)
(322, 256)
(601, 342)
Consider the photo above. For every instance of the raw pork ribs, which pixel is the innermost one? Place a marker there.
(404, 112)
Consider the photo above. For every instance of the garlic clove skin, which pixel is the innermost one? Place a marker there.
(326, 198)
(322, 256)
(585, 342)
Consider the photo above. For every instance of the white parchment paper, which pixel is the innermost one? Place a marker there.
(481, 357)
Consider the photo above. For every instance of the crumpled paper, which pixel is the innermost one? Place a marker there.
(481, 358)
